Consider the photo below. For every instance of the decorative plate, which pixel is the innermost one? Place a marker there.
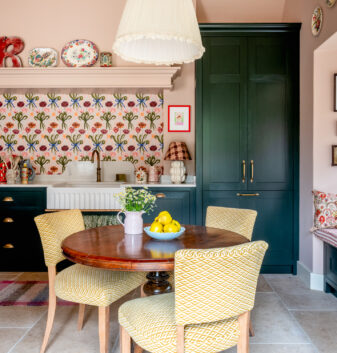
(330, 3)
(42, 57)
(317, 21)
(79, 52)
(164, 236)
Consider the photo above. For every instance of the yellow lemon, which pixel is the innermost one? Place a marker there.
(165, 218)
(162, 213)
(170, 228)
(156, 227)
(176, 223)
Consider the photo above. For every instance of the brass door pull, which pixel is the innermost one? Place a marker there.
(8, 220)
(256, 194)
(160, 195)
(8, 199)
(252, 171)
(8, 246)
(243, 171)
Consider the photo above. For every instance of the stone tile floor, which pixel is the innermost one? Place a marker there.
(287, 318)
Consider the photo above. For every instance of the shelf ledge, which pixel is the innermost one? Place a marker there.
(93, 77)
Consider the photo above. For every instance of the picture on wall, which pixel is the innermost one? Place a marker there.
(335, 94)
(179, 118)
(334, 156)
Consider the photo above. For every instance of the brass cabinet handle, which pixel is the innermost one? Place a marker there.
(8, 246)
(252, 171)
(243, 171)
(256, 194)
(8, 220)
(160, 195)
(8, 199)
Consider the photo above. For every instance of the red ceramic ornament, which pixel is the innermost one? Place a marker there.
(3, 170)
(17, 46)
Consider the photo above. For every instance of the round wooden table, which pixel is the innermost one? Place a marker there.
(108, 247)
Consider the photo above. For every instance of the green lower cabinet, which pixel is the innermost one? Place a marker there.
(180, 202)
(20, 244)
(273, 223)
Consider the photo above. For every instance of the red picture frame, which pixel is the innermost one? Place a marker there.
(179, 118)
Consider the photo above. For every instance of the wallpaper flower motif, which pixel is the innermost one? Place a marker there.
(53, 130)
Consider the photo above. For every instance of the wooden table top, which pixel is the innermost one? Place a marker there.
(108, 247)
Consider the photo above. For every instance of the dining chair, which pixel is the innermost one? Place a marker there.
(209, 311)
(237, 220)
(80, 284)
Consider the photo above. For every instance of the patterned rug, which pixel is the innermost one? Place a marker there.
(30, 293)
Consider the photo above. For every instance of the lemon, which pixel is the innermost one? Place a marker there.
(170, 228)
(156, 227)
(162, 213)
(176, 223)
(164, 218)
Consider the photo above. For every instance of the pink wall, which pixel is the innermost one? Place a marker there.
(300, 11)
(54, 24)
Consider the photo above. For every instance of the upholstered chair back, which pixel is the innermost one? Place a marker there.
(216, 284)
(234, 219)
(54, 228)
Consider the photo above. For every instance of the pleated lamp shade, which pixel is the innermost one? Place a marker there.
(161, 32)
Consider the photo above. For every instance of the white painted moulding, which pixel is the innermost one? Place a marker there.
(88, 77)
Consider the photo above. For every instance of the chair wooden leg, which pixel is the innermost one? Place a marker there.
(251, 329)
(124, 340)
(81, 311)
(142, 293)
(180, 339)
(51, 307)
(103, 328)
(243, 344)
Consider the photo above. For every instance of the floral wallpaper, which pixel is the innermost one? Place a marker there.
(54, 129)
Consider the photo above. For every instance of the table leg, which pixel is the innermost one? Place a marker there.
(157, 283)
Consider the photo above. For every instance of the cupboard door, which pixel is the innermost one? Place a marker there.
(224, 112)
(179, 203)
(274, 222)
(270, 113)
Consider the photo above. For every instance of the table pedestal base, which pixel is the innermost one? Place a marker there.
(157, 283)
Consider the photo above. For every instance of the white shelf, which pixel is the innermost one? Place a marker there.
(89, 77)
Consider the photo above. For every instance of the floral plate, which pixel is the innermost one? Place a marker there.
(42, 57)
(79, 52)
(330, 3)
(317, 21)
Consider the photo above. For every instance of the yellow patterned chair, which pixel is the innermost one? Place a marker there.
(234, 219)
(78, 283)
(209, 311)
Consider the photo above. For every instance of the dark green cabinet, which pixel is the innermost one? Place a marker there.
(20, 244)
(178, 201)
(247, 130)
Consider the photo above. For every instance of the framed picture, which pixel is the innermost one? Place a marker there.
(334, 156)
(179, 118)
(335, 94)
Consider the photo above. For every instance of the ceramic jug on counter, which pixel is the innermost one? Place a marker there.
(133, 222)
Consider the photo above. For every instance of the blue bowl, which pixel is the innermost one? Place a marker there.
(164, 236)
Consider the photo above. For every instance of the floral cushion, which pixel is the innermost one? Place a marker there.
(325, 210)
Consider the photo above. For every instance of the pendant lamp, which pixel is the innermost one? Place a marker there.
(161, 32)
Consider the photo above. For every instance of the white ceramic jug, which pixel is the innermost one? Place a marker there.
(133, 222)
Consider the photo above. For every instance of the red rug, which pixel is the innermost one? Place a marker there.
(30, 293)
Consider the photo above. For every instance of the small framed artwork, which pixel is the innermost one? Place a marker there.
(334, 156)
(179, 118)
(335, 93)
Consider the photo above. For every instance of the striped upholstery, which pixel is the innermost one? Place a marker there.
(54, 228)
(94, 286)
(213, 287)
(234, 219)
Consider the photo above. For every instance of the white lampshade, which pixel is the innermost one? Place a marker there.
(161, 32)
